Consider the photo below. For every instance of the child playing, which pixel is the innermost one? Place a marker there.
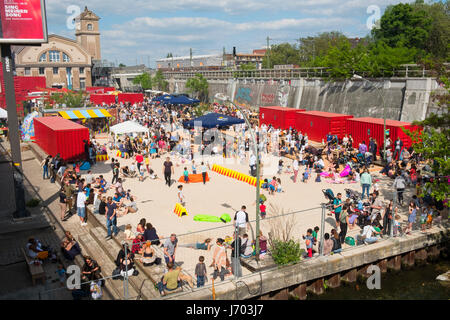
(194, 169)
(423, 219)
(262, 210)
(153, 175)
(186, 175)
(429, 218)
(397, 228)
(181, 199)
(306, 175)
(309, 242)
(318, 178)
(129, 233)
(200, 272)
(141, 173)
(62, 275)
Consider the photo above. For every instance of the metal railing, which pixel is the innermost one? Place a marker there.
(406, 71)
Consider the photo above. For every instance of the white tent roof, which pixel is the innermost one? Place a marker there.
(3, 114)
(128, 127)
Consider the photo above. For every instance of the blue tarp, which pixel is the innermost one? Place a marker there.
(169, 99)
(213, 120)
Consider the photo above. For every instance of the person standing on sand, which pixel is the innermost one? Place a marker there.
(168, 170)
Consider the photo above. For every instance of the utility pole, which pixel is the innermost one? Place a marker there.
(190, 57)
(268, 52)
(223, 57)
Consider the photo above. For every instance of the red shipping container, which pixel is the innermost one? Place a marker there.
(131, 97)
(278, 117)
(317, 124)
(100, 90)
(362, 129)
(58, 135)
(102, 98)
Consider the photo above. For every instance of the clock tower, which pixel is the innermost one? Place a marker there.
(87, 33)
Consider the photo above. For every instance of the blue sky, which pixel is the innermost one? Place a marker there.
(145, 30)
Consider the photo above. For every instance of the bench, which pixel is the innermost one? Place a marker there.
(36, 271)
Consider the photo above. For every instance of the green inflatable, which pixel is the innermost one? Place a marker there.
(207, 218)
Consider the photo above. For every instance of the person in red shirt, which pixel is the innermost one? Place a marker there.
(262, 210)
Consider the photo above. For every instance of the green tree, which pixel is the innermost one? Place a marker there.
(313, 47)
(169, 55)
(201, 109)
(121, 65)
(144, 80)
(199, 86)
(284, 53)
(160, 82)
(404, 25)
(69, 99)
(432, 143)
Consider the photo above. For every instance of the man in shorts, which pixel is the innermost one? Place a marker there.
(81, 206)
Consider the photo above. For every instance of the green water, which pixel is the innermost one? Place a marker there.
(418, 283)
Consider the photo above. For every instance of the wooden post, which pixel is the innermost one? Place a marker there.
(350, 276)
(395, 263)
(334, 281)
(300, 291)
(421, 255)
(316, 286)
(382, 264)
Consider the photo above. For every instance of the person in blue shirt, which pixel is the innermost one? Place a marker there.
(337, 206)
(118, 199)
(186, 175)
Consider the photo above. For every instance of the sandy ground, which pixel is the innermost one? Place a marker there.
(156, 202)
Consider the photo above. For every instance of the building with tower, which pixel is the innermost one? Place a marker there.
(64, 62)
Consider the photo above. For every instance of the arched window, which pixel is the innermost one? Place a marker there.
(90, 27)
(43, 57)
(66, 57)
(54, 56)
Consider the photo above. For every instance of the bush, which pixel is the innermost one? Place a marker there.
(285, 252)
(33, 203)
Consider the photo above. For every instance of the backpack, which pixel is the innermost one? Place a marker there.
(350, 241)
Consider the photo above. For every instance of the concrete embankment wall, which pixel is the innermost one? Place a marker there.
(406, 99)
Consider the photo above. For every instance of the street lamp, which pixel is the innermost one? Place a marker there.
(355, 76)
(224, 98)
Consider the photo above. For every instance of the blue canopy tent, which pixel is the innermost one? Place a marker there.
(213, 120)
(170, 99)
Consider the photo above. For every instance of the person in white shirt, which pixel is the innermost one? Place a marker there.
(252, 163)
(295, 167)
(81, 206)
(241, 220)
(181, 198)
(368, 232)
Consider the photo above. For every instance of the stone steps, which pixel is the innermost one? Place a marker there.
(115, 287)
(141, 283)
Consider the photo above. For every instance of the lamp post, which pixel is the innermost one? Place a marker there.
(355, 76)
(225, 98)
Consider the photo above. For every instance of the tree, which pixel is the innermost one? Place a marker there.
(284, 53)
(433, 142)
(201, 109)
(199, 86)
(121, 65)
(160, 82)
(313, 47)
(144, 80)
(67, 99)
(247, 66)
(169, 55)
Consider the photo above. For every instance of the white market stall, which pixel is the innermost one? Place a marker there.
(128, 128)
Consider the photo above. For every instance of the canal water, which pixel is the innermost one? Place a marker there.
(418, 283)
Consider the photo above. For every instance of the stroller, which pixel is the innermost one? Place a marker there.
(329, 195)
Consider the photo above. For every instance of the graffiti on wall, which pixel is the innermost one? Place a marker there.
(243, 95)
(267, 98)
(283, 94)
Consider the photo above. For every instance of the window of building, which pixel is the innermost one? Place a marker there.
(43, 57)
(27, 71)
(55, 70)
(41, 71)
(81, 70)
(54, 56)
(82, 84)
(66, 57)
(90, 27)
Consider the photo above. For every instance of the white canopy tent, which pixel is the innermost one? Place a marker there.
(128, 127)
(3, 114)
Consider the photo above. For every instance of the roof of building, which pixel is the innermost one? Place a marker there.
(88, 15)
(189, 57)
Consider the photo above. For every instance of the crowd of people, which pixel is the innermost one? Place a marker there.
(336, 161)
